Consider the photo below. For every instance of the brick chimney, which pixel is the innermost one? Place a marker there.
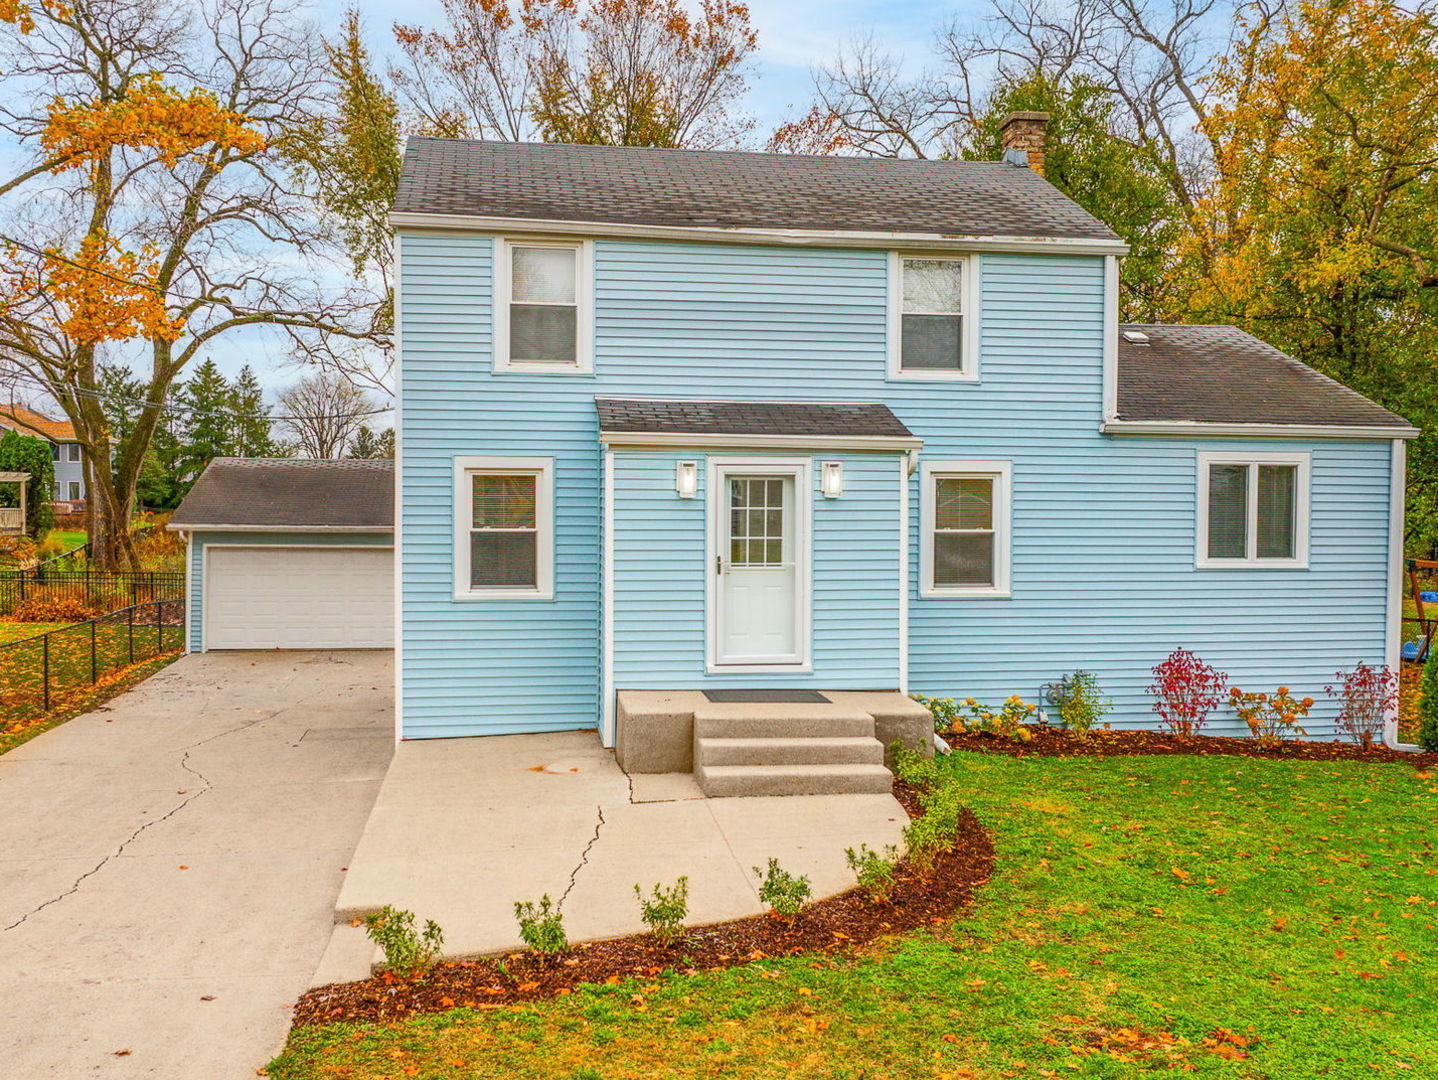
(1023, 139)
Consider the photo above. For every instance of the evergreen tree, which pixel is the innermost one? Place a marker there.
(205, 402)
(252, 435)
(371, 444)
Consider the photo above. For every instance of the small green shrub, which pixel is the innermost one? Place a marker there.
(934, 830)
(875, 872)
(968, 717)
(782, 891)
(541, 926)
(943, 710)
(1428, 706)
(1081, 703)
(407, 952)
(913, 768)
(663, 910)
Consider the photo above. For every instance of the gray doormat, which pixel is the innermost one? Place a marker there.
(763, 696)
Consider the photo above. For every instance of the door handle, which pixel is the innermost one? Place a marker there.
(718, 564)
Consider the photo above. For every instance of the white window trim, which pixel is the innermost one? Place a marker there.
(1001, 472)
(798, 468)
(1303, 462)
(543, 469)
(583, 310)
(895, 287)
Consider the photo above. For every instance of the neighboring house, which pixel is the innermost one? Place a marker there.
(70, 491)
(677, 421)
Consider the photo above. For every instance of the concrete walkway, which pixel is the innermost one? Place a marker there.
(464, 828)
(170, 863)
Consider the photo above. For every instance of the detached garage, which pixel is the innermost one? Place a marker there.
(290, 553)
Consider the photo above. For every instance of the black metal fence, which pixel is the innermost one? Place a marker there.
(96, 589)
(39, 673)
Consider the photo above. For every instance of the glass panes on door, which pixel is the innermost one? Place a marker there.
(756, 521)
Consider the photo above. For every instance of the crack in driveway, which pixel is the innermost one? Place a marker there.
(583, 857)
(184, 763)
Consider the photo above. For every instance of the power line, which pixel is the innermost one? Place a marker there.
(103, 395)
(133, 283)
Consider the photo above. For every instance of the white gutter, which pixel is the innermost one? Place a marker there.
(1393, 635)
(1205, 429)
(856, 238)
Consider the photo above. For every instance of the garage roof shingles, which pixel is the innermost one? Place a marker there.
(290, 492)
(804, 418)
(1219, 374)
(733, 189)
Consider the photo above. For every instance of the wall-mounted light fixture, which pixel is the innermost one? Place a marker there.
(831, 479)
(686, 478)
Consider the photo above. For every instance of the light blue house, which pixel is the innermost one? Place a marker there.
(676, 423)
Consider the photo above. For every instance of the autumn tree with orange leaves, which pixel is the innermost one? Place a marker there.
(147, 222)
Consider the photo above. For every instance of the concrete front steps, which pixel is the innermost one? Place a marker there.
(787, 748)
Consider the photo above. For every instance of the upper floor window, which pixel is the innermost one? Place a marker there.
(55, 451)
(965, 516)
(74, 451)
(543, 310)
(1252, 510)
(504, 534)
(932, 324)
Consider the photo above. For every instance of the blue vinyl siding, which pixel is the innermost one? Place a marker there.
(195, 611)
(660, 574)
(1103, 527)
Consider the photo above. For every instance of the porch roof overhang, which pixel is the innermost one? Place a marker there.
(776, 425)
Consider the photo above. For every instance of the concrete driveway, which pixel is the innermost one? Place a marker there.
(169, 863)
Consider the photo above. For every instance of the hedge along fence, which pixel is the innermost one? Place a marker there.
(66, 595)
(41, 673)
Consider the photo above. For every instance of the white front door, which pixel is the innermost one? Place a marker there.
(759, 567)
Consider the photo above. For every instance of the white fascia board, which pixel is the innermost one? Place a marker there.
(187, 527)
(797, 237)
(1205, 429)
(667, 439)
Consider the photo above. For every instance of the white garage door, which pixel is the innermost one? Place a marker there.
(299, 598)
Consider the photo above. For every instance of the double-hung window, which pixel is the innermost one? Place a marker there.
(543, 314)
(504, 531)
(1252, 510)
(74, 451)
(932, 327)
(965, 522)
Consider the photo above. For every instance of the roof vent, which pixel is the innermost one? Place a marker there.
(1135, 337)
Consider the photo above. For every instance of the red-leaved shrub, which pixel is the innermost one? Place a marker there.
(1365, 697)
(1186, 690)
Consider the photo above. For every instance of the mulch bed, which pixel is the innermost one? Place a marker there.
(1055, 742)
(831, 925)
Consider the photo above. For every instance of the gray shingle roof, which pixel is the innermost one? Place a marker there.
(652, 417)
(1220, 374)
(298, 492)
(730, 189)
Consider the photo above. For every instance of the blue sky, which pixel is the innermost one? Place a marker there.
(795, 36)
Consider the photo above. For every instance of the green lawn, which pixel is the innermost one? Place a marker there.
(22, 663)
(71, 538)
(1210, 917)
(14, 631)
